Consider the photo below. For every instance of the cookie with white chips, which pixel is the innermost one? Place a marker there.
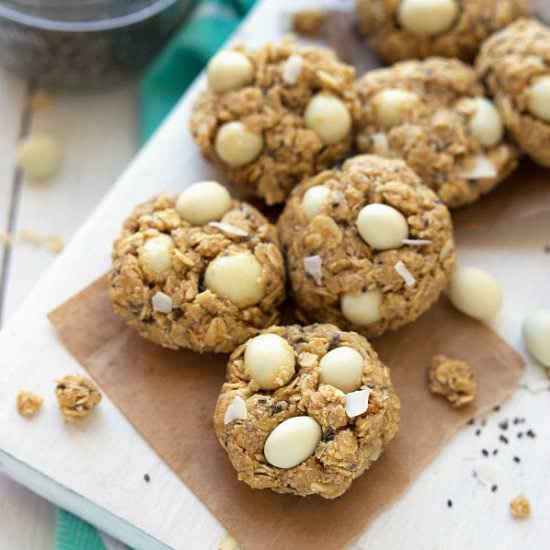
(273, 116)
(201, 270)
(305, 410)
(410, 29)
(368, 247)
(515, 65)
(434, 115)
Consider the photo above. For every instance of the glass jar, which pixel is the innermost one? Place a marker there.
(84, 42)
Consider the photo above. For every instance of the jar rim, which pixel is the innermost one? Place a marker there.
(82, 20)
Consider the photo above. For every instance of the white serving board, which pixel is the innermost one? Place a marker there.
(96, 469)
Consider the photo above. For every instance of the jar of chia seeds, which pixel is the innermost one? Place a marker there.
(84, 42)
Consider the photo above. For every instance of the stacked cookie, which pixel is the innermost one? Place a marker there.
(367, 245)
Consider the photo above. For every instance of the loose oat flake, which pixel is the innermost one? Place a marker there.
(28, 403)
(235, 411)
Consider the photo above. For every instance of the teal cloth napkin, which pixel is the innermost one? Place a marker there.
(167, 78)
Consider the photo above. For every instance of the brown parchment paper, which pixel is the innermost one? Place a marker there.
(525, 193)
(169, 397)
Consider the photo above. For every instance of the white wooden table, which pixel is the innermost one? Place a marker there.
(98, 471)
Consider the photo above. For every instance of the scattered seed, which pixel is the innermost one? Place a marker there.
(547, 249)
(483, 422)
(484, 452)
(503, 438)
(517, 459)
(495, 452)
(503, 425)
(147, 478)
(478, 432)
(471, 422)
(450, 503)
(494, 488)
(531, 434)
(520, 435)
(497, 408)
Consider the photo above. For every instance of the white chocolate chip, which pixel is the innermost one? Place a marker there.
(404, 273)
(427, 16)
(292, 69)
(381, 226)
(313, 266)
(235, 411)
(362, 308)
(357, 403)
(292, 442)
(475, 292)
(342, 368)
(478, 167)
(39, 156)
(380, 144)
(536, 334)
(392, 105)
(539, 98)
(328, 117)
(485, 123)
(203, 202)
(236, 278)
(269, 360)
(229, 70)
(156, 255)
(162, 302)
(236, 145)
(229, 229)
(313, 200)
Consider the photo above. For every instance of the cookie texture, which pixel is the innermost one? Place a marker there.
(272, 106)
(347, 446)
(511, 62)
(427, 118)
(174, 308)
(347, 266)
(394, 36)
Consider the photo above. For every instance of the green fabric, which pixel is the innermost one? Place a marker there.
(72, 533)
(208, 27)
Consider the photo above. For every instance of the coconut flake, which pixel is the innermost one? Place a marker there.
(162, 302)
(535, 379)
(228, 228)
(486, 471)
(292, 69)
(481, 167)
(235, 411)
(405, 274)
(416, 242)
(313, 266)
(380, 144)
(357, 402)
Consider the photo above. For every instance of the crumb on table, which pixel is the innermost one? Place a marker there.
(520, 507)
(308, 22)
(228, 543)
(5, 238)
(28, 403)
(77, 397)
(453, 379)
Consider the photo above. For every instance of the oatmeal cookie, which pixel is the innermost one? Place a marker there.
(200, 271)
(433, 114)
(515, 65)
(453, 379)
(368, 248)
(410, 29)
(276, 115)
(305, 410)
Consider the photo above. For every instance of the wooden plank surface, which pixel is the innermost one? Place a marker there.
(103, 462)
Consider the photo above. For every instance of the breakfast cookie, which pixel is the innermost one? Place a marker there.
(368, 248)
(276, 115)
(433, 114)
(200, 271)
(515, 64)
(305, 410)
(411, 29)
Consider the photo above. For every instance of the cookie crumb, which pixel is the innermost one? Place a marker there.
(32, 237)
(28, 403)
(54, 243)
(228, 543)
(453, 379)
(77, 397)
(308, 22)
(5, 238)
(520, 507)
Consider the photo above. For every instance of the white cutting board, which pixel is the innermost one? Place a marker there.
(96, 469)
